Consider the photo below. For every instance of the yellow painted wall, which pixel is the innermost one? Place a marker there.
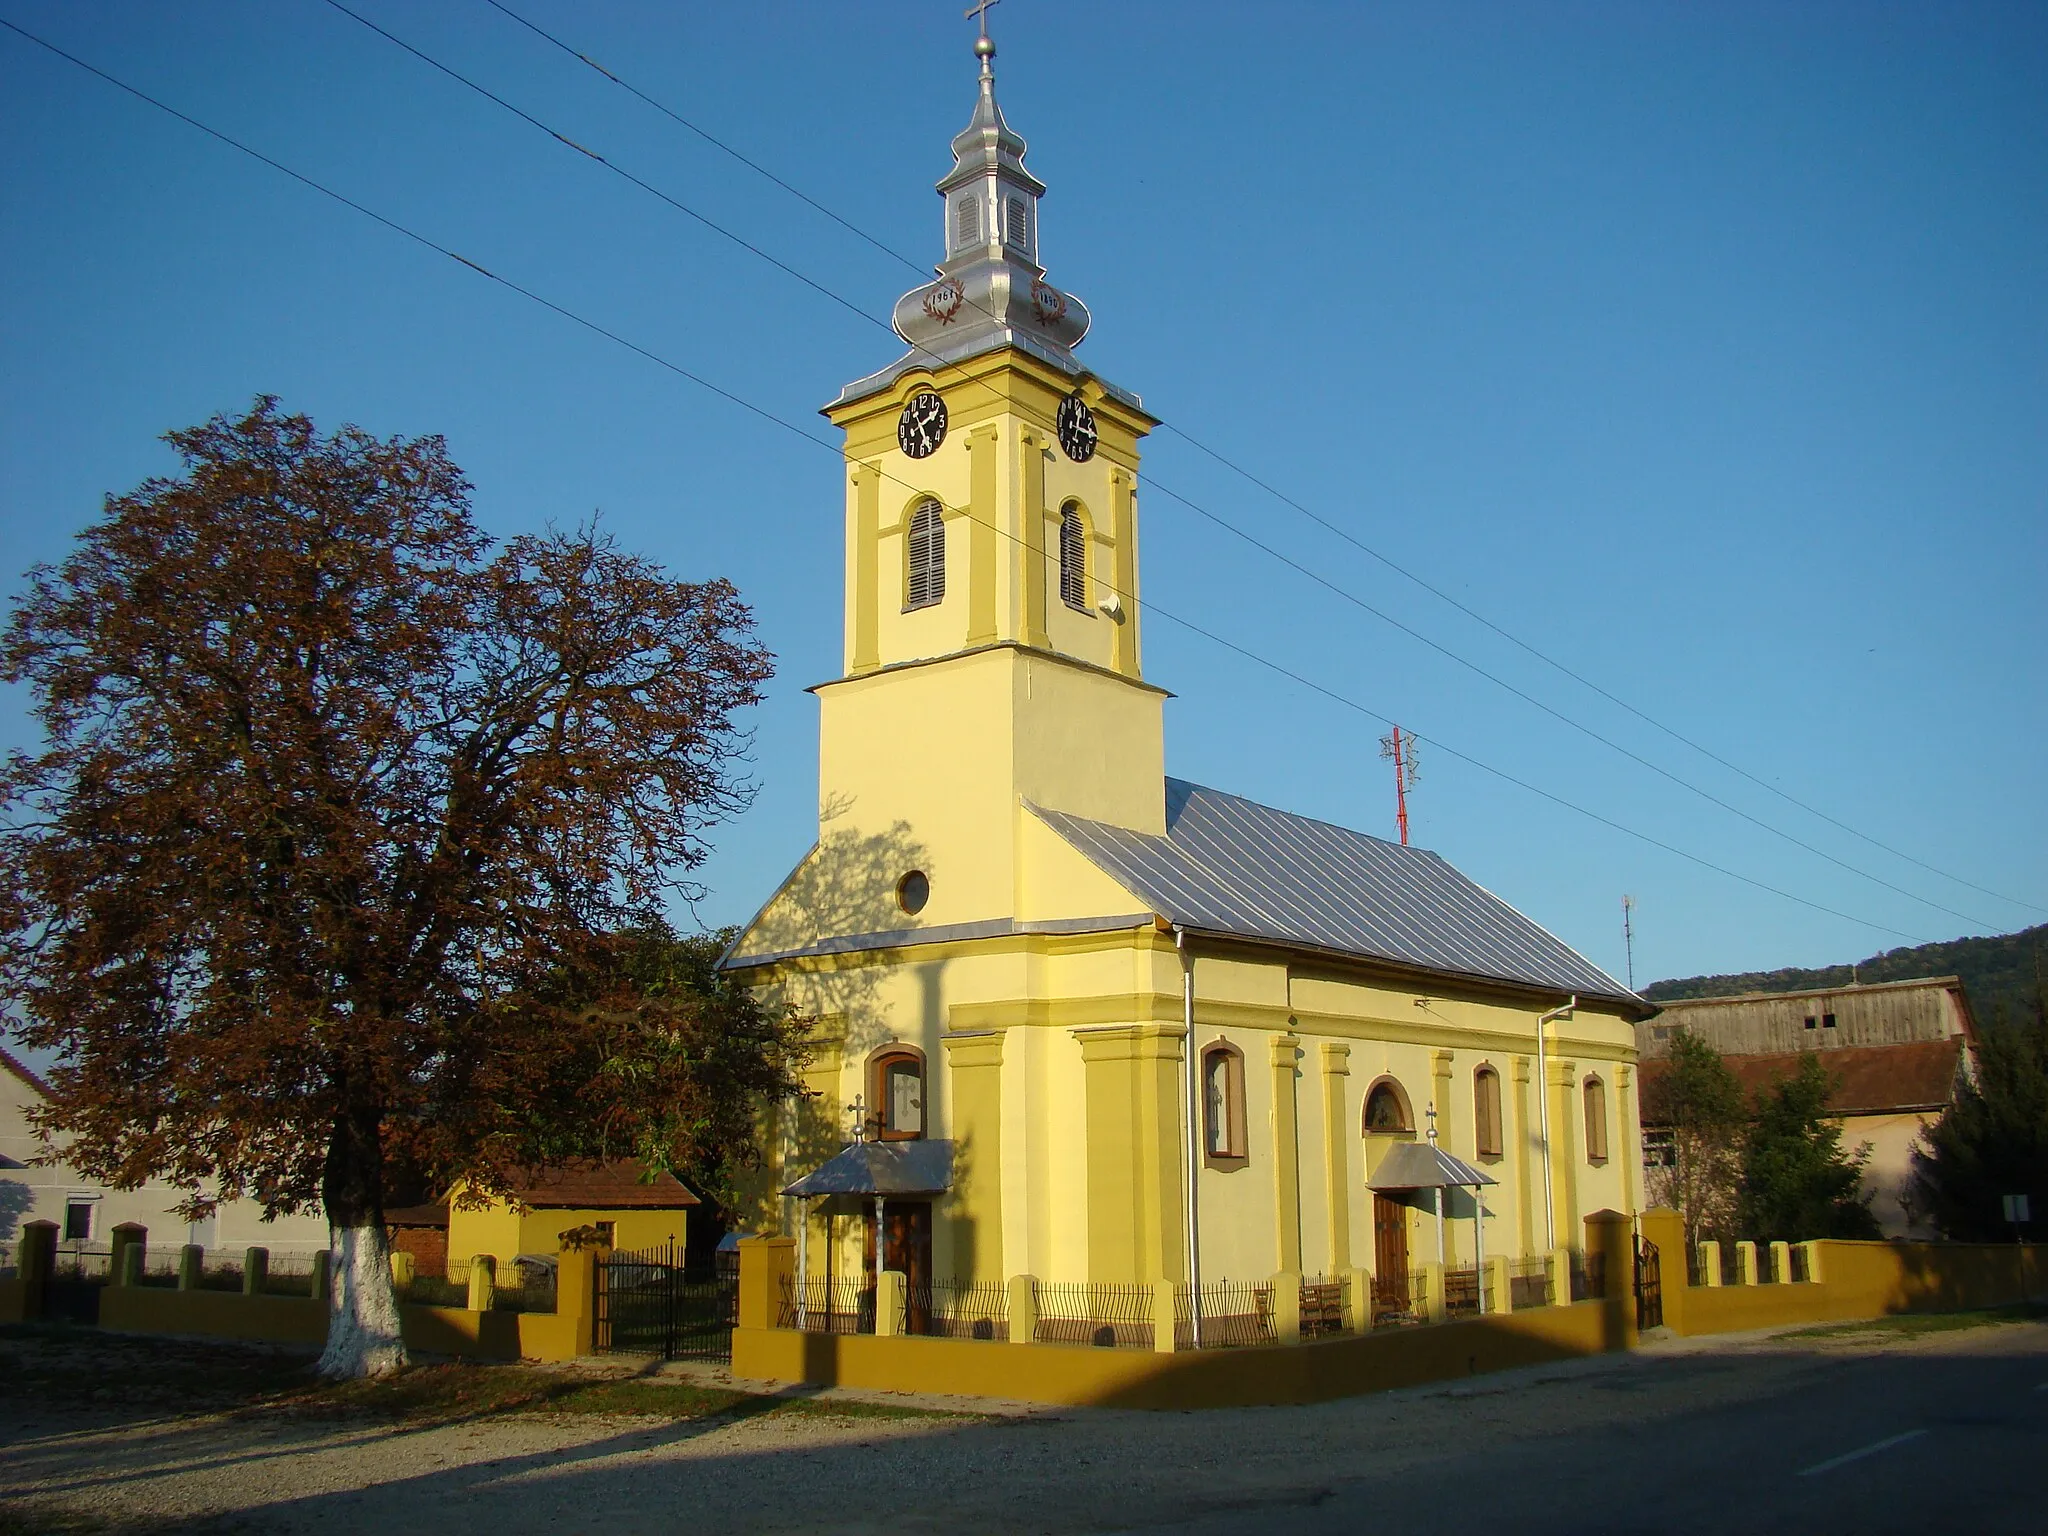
(504, 1233)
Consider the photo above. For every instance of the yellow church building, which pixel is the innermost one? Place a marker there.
(1076, 1019)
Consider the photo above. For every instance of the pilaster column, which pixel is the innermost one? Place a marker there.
(1336, 1064)
(1565, 1149)
(1286, 1152)
(1031, 529)
(1123, 493)
(1625, 1122)
(982, 536)
(974, 1208)
(1133, 1153)
(865, 648)
(1521, 1165)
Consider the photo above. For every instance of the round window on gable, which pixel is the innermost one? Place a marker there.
(913, 891)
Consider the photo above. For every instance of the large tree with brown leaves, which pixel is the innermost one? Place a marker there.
(340, 815)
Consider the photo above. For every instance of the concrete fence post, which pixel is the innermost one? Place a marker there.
(1710, 1263)
(1781, 1263)
(1287, 1307)
(191, 1265)
(576, 1292)
(483, 1282)
(38, 1264)
(1165, 1316)
(129, 1236)
(322, 1287)
(255, 1271)
(1745, 1262)
(1560, 1277)
(767, 1269)
(403, 1267)
(1023, 1309)
(889, 1289)
(1433, 1292)
(1358, 1301)
(1501, 1287)
(1813, 1269)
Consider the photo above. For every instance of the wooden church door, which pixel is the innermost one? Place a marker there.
(907, 1249)
(1390, 1255)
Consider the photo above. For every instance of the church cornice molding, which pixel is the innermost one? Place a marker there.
(1033, 652)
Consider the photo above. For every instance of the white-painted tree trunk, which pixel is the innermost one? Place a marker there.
(363, 1337)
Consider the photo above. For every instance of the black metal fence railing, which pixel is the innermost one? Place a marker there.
(648, 1304)
(1589, 1275)
(1469, 1292)
(1233, 1315)
(827, 1304)
(957, 1309)
(1112, 1316)
(1529, 1283)
(1322, 1306)
(1397, 1299)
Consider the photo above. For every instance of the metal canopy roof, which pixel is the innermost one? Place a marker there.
(1229, 865)
(1418, 1165)
(882, 1168)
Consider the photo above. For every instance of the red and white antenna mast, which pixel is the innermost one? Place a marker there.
(1400, 750)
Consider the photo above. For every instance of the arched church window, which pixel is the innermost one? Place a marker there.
(1223, 1131)
(1596, 1120)
(898, 1089)
(966, 222)
(1486, 1112)
(1017, 223)
(925, 583)
(1386, 1108)
(1073, 559)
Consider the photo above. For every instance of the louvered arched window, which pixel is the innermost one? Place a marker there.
(925, 582)
(1073, 559)
(1486, 1112)
(1596, 1120)
(966, 222)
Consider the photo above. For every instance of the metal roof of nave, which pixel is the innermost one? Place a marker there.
(1232, 866)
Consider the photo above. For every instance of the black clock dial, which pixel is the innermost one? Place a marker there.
(922, 427)
(1077, 429)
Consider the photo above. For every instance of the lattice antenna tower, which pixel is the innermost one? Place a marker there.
(1628, 937)
(1399, 749)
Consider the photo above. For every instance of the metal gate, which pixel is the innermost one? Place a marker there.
(647, 1304)
(1649, 1285)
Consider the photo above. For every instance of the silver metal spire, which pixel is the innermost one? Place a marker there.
(991, 291)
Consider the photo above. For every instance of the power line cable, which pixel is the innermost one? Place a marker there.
(854, 308)
(834, 449)
(1339, 531)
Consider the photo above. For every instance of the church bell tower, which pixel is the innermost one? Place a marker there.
(992, 621)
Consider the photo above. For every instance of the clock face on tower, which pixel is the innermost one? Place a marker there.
(922, 426)
(1077, 429)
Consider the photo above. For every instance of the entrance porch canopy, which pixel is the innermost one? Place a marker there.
(1418, 1165)
(882, 1169)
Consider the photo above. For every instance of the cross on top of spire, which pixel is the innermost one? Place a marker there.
(984, 45)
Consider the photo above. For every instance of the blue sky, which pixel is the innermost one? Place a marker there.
(1705, 348)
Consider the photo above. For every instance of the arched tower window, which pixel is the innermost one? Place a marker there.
(1486, 1112)
(1073, 559)
(966, 221)
(925, 582)
(896, 1086)
(1386, 1109)
(1223, 1128)
(1596, 1120)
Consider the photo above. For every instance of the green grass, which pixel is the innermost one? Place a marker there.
(1913, 1324)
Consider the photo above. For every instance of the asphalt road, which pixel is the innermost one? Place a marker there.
(1945, 1434)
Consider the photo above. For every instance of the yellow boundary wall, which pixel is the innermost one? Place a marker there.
(1076, 1374)
(298, 1320)
(1854, 1281)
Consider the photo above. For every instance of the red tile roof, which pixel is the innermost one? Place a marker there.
(1869, 1079)
(605, 1187)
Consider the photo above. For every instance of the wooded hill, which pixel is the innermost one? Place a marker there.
(2003, 974)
